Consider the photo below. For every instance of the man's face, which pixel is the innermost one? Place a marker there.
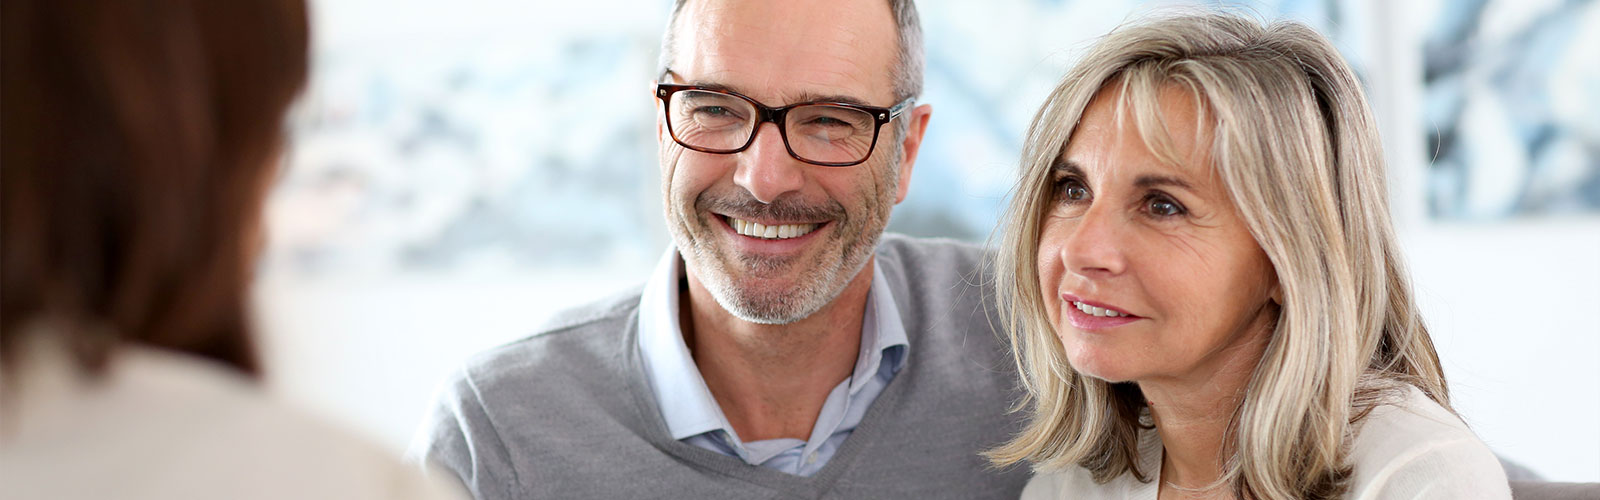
(772, 238)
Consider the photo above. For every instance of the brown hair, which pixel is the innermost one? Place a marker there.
(139, 139)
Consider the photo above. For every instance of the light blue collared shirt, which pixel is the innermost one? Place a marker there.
(693, 416)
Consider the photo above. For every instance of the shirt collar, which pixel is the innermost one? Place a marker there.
(882, 330)
(685, 401)
(687, 406)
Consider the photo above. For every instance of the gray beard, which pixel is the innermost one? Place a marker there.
(781, 307)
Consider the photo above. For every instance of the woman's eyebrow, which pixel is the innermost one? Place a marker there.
(1149, 181)
(1067, 167)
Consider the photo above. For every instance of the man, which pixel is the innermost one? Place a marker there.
(780, 349)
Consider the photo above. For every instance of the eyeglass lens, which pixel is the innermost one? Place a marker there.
(815, 132)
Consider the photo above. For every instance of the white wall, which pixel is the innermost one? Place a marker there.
(1515, 312)
(1513, 306)
(370, 353)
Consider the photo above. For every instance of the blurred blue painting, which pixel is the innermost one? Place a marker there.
(1513, 104)
(494, 135)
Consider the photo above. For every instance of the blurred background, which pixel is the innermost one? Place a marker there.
(461, 170)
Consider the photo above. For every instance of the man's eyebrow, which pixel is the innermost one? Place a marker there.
(698, 83)
(804, 97)
(815, 97)
(715, 86)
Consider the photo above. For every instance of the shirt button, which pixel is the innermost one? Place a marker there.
(812, 459)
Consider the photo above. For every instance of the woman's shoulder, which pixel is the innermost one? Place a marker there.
(1072, 482)
(164, 425)
(1413, 447)
(1078, 483)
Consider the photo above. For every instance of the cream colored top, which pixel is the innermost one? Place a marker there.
(166, 426)
(1414, 449)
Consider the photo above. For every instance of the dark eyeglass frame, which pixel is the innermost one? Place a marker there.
(776, 115)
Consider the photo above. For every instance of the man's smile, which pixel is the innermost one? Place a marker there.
(770, 231)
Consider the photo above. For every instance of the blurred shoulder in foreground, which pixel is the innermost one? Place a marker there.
(141, 137)
(158, 424)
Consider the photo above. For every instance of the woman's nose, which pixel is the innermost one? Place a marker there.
(1094, 244)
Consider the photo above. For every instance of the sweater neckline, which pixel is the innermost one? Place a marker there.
(648, 414)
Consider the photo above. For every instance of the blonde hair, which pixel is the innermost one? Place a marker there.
(1296, 145)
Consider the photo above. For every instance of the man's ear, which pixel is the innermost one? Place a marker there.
(910, 145)
(661, 119)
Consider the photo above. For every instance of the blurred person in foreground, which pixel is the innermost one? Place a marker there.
(784, 347)
(1203, 289)
(140, 137)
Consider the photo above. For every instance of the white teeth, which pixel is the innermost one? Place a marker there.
(781, 231)
(1097, 311)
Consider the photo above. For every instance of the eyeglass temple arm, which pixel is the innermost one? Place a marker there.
(895, 110)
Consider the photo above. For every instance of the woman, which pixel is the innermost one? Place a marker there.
(140, 139)
(1204, 293)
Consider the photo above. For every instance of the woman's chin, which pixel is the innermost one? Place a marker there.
(1100, 368)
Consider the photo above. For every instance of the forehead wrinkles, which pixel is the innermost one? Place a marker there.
(1159, 118)
(776, 56)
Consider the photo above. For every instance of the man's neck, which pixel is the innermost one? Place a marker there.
(771, 380)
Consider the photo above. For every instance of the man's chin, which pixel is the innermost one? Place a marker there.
(777, 287)
(778, 298)
(768, 307)
(769, 289)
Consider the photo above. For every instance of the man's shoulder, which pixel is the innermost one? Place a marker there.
(932, 265)
(938, 266)
(910, 251)
(618, 306)
(572, 338)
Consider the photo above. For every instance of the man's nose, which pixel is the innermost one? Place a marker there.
(1094, 246)
(765, 169)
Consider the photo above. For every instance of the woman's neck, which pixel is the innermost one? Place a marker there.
(1193, 426)
(1195, 417)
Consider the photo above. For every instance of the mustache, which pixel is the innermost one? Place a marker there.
(741, 204)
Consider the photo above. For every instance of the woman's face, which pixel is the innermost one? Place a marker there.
(1147, 270)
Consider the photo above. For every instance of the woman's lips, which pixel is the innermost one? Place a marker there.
(1093, 316)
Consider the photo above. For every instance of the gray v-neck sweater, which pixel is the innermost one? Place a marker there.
(567, 412)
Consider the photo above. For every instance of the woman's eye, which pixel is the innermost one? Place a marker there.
(1163, 207)
(1073, 190)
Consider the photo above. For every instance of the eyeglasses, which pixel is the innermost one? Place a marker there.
(831, 134)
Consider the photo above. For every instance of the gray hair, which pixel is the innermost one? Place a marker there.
(909, 59)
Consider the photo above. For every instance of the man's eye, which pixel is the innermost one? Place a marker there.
(713, 111)
(826, 121)
(715, 117)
